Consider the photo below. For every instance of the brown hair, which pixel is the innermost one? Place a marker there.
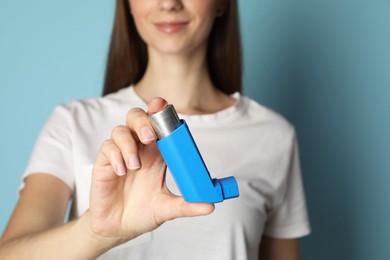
(128, 57)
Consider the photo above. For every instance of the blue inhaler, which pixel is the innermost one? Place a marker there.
(183, 159)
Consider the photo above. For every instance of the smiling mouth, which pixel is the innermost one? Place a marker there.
(170, 27)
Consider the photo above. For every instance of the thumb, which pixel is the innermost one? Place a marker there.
(176, 207)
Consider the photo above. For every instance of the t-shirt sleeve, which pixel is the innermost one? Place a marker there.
(52, 151)
(290, 218)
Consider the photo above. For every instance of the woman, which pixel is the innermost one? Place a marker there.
(187, 53)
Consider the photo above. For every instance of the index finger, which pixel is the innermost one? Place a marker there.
(156, 105)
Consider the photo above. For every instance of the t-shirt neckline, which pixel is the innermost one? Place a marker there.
(219, 115)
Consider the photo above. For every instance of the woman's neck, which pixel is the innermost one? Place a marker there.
(183, 81)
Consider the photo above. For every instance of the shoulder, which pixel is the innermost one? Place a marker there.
(117, 103)
(262, 117)
(94, 116)
(122, 96)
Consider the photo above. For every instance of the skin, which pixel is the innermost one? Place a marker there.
(179, 58)
(128, 192)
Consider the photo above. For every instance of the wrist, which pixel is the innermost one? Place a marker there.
(100, 244)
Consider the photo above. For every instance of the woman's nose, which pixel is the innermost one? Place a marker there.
(171, 5)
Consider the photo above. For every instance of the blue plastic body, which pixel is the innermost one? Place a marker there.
(189, 171)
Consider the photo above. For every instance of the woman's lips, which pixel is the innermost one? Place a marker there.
(170, 27)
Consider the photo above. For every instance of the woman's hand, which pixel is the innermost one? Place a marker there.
(128, 192)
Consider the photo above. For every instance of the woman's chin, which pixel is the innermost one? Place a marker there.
(171, 49)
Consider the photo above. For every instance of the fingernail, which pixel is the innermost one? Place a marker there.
(147, 134)
(133, 162)
(120, 169)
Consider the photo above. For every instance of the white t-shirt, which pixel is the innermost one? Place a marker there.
(247, 140)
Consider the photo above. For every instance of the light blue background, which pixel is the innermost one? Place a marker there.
(325, 65)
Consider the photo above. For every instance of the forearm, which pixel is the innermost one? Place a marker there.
(279, 249)
(70, 241)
